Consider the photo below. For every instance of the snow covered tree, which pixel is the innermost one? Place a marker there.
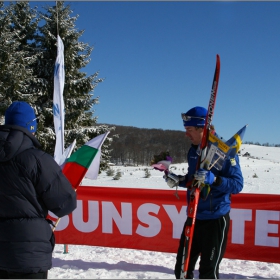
(118, 175)
(27, 58)
(80, 124)
(17, 30)
(147, 173)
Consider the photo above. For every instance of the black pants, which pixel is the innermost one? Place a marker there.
(16, 275)
(209, 242)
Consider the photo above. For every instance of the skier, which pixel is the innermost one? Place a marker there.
(31, 185)
(212, 218)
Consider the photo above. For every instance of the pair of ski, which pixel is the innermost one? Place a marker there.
(195, 191)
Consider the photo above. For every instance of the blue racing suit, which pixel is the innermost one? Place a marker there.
(229, 181)
(212, 218)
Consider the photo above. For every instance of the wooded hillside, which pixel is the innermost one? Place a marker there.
(137, 146)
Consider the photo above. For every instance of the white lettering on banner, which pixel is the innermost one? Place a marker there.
(178, 219)
(124, 219)
(265, 224)
(110, 213)
(263, 228)
(154, 224)
(93, 217)
(238, 217)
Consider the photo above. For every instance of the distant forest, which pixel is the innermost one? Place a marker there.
(137, 146)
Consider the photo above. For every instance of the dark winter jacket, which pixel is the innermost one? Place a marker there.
(230, 181)
(31, 184)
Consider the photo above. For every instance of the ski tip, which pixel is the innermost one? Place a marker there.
(218, 60)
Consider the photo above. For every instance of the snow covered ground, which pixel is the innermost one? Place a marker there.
(261, 172)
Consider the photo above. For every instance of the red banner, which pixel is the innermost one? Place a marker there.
(150, 219)
(254, 233)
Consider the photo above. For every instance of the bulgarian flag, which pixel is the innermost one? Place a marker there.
(86, 158)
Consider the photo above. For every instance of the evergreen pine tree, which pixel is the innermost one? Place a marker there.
(26, 50)
(17, 29)
(118, 175)
(25, 20)
(80, 124)
(147, 173)
(110, 172)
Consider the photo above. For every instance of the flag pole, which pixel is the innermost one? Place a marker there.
(56, 18)
(58, 89)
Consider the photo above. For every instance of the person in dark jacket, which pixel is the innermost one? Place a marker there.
(212, 219)
(31, 185)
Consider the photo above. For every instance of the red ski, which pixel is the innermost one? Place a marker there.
(195, 191)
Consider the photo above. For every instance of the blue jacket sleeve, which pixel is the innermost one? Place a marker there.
(230, 177)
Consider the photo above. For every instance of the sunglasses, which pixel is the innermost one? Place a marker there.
(188, 118)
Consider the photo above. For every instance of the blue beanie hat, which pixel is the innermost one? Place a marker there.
(195, 117)
(22, 114)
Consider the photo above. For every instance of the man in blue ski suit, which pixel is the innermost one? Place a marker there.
(212, 219)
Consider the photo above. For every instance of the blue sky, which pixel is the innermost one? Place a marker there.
(158, 60)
